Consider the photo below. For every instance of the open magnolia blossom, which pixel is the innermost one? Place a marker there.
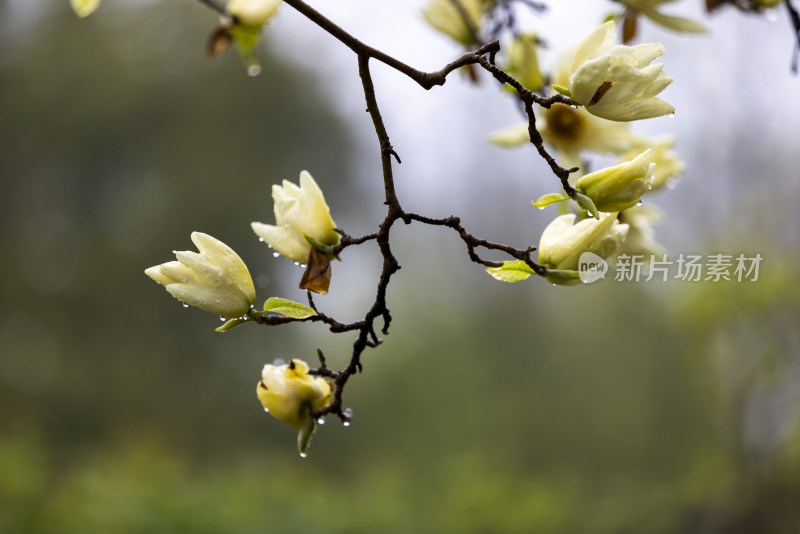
(563, 242)
(619, 187)
(299, 212)
(650, 9)
(618, 82)
(289, 393)
(572, 131)
(215, 279)
(447, 18)
(253, 12)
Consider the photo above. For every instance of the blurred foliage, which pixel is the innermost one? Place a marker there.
(610, 408)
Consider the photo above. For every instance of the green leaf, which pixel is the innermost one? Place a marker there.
(511, 271)
(289, 308)
(233, 323)
(550, 198)
(587, 204)
(304, 436)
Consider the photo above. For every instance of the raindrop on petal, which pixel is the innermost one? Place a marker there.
(303, 454)
(275, 254)
(254, 70)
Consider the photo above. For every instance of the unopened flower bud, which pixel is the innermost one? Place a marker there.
(215, 279)
(619, 187)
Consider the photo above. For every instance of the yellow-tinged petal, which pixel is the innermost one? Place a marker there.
(620, 186)
(253, 12)
(84, 8)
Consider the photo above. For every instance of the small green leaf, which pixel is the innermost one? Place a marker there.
(511, 271)
(233, 323)
(289, 308)
(587, 204)
(563, 90)
(550, 198)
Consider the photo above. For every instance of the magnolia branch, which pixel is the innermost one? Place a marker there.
(367, 336)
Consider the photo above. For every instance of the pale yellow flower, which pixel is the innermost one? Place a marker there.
(572, 131)
(445, 17)
(253, 12)
(563, 241)
(299, 212)
(650, 9)
(215, 279)
(618, 82)
(620, 186)
(523, 62)
(289, 393)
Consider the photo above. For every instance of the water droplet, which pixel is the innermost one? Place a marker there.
(268, 245)
(321, 421)
(303, 454)
(275, 254)
(222, 319)
(348, 412)
(185, 305)
(297, 263)
(266, 409)
(346, 423)
(671, 116)
(262, 240)
(302, 265)
(254, 70)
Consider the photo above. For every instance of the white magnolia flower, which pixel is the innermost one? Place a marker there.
(445, 17)
(650, 9)
(618, 82)
(288, 392)
(299, 212)
(253, 12)
(563, 241)
(619, 187)
(215, 279)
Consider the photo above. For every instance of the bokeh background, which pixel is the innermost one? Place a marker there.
(610, 408)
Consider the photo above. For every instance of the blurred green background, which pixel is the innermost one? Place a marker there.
(611, 408)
